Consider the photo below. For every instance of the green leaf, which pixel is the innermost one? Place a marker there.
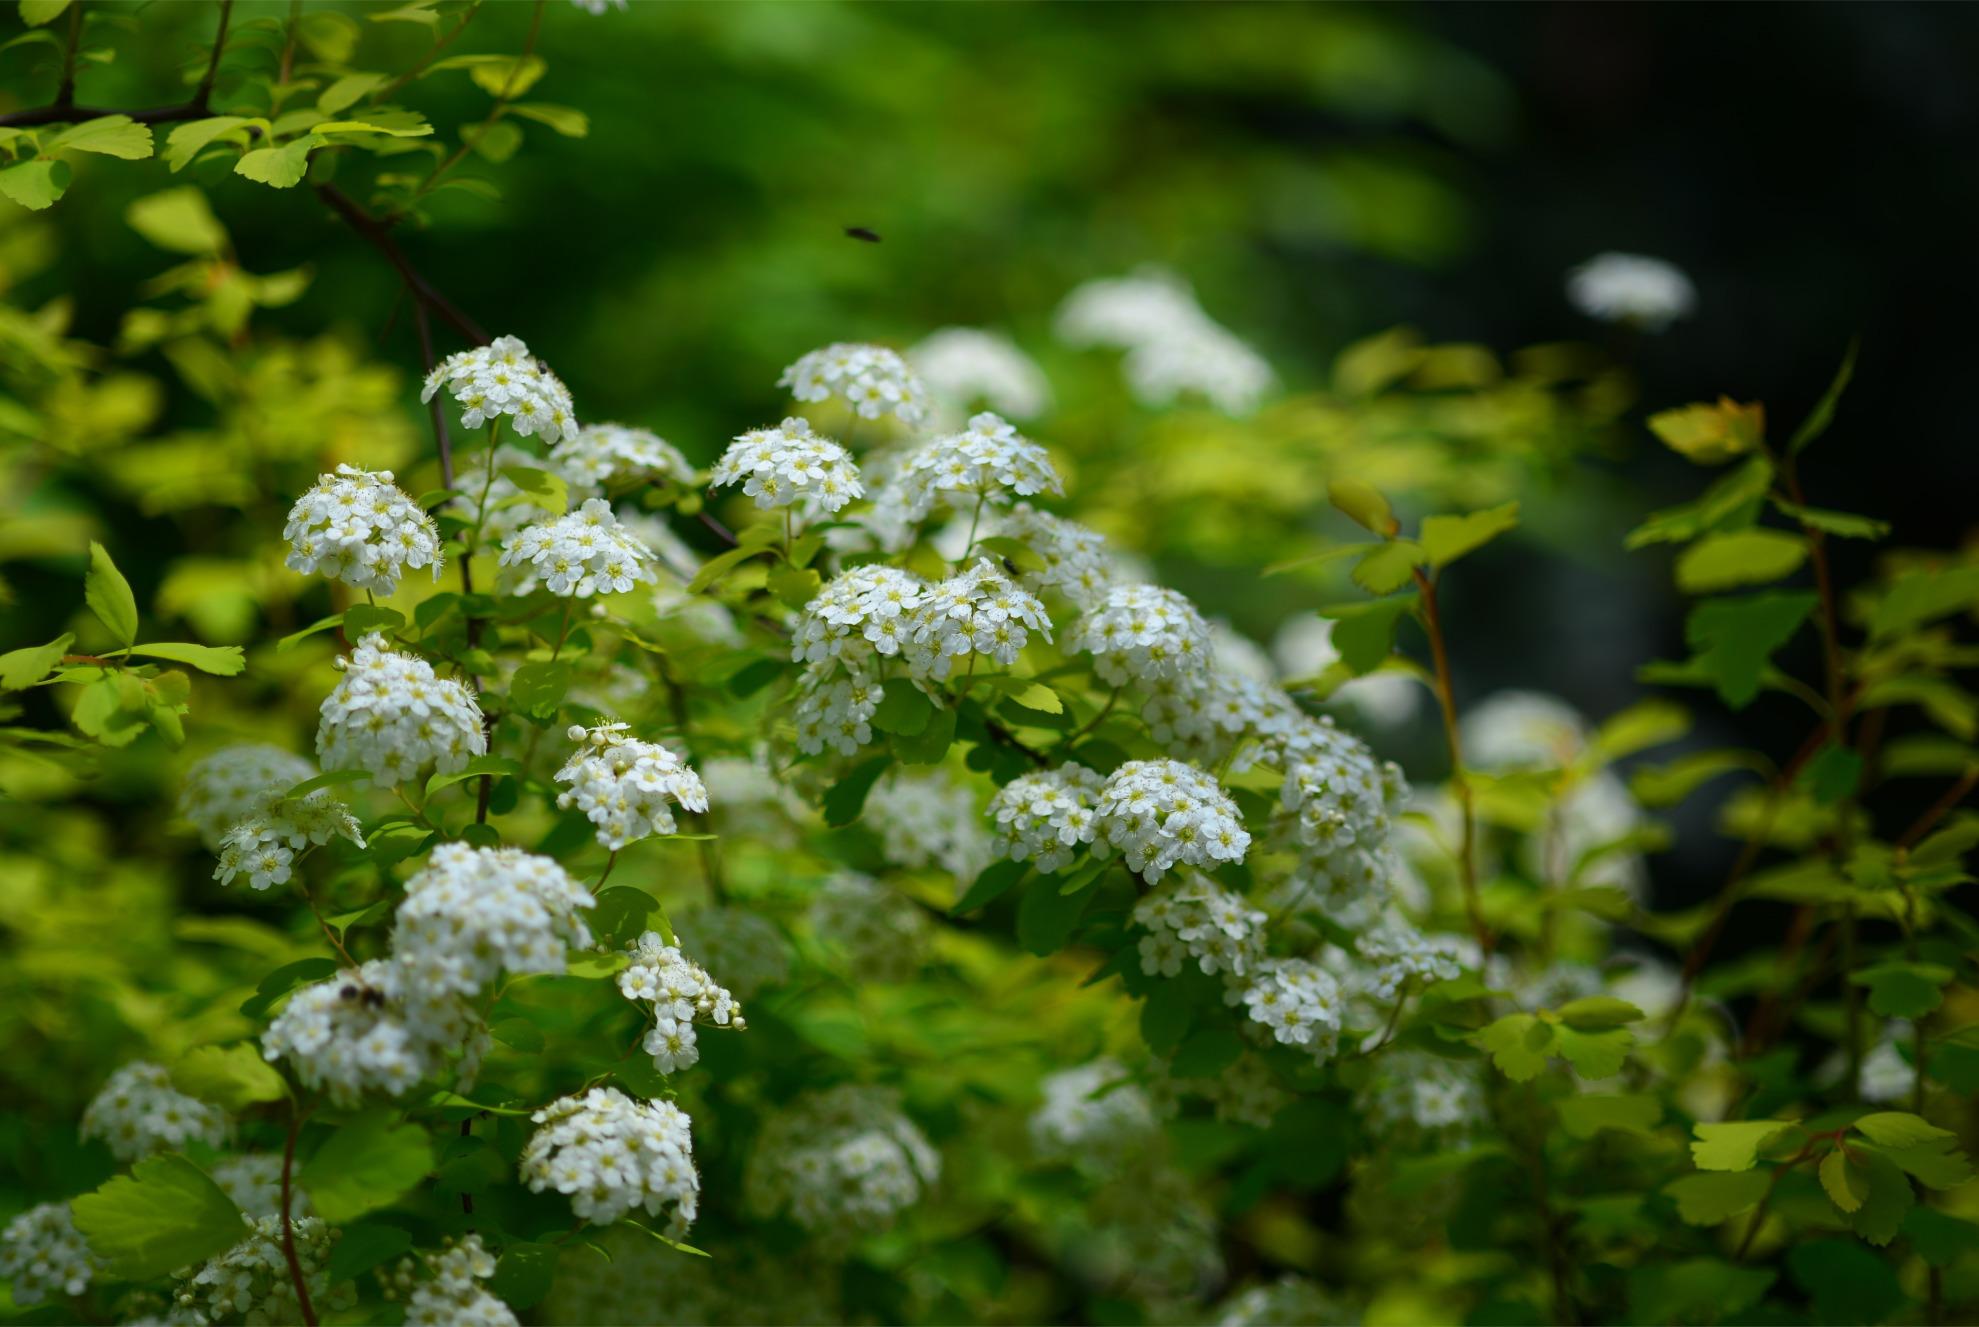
(34, 13)
(990, 884)
(166, 1214)
(277, 167)
(178, 220)
(1518, 1045)
(328, 779)
(1902, 990)
(1745, 557)
(1711, 434)
(1046, 917)
(363, 1246)
(1731, 502)
(506, 76)
(1694, 1290)
(1594, 1054)
(1362, 505)
(1823, 413)
(847, 798)
(1939, 1238)
(793, 586)
(1037, 696)
(1706, 1200)
(219, 660)
(1364, 633)
(524, 1274)
(24, 667)
(543, 488)
(1921, 596)
(109, 595)
(1888, 1198)
(1642, 725)
(904, 709)
(622, 914)
(1736, 1145)
(360, 620)
(365, 1165)
(1935, 1165)
(231, 1077)
(717, 567)
(569, 122)
(1895, 1128)
(346, 92)
(1841, 524)
(285, 979)
(186, 142)
(1166, 1015)
(499, 766)
(1206, 1053)
(1832, 774)
(291, 640)
(931, 744)
(35, 184)
(1848, 1284)
(106, 135)
(1735, 638)
(1447, 538)
(1596, 1013)
(1847, 1185)
(1388, 567)
(1585, 1115)
(538, 688)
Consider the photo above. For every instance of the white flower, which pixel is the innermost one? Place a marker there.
(859, 613)
(1400, 953)
(1303, 649)
(450, 1293)
(582, 554)
(1300, 1003)
(976, 611)
(227, 786)
(627, 788)
(1044, 816)
(1631, 288)
(790, 466)
(499, 380)
(841, 1162)
(1077, 563)
(1141, 632)
(1246, 1092)
(1886, 1075)
(356, 526)
(681, 994)
(1414, 1093)
(964, 365)
(924, 819)
(44, 1257)
(265, 844)
(1291, 1301)
(748, 949)
(872, 380)
(607, 456)
(471, 914)
(1198, 919)
(612, 1155)
(835, 709)
(251, 1281)
(391, 716)
(881, 935)
(1172, 346)
(255, 1185)
(139, 1112)
(1522, 730)
(1092, 1116)
(987, 462)
(1339, 806)
(1162, 812)
(502, 507)
(370, 1030)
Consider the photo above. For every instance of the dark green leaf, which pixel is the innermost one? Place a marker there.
(366, 1164)
(990, 884)
(1046, 918)
(847, 797)
(1823, 413)
(164, 1215)
(1735, 638)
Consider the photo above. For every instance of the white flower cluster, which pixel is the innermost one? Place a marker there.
(871, 379)
(883, 936)
(1152, 1236)
(265, 844)
(1415, 1092)
(1173, 347)
(1300, 1002)
(255, 1184)
(502, 379)
(1631, 288)
(841, 1162)
(1400, 953)
(1161, 813)
(1045, 815)
(611, 1155)
(604, 456)
(471, 914)
(1076, 562)
(356, 526)
(359, 1032)
(978, 611)
(1246, 1092)
(44, 1257)
(1197, 919)
(1290, 1301)
(1092, 1115)
(139, 1112)
(251, 1281)
(790, 466)
(1522, 730)
(867, 610)
(451, 1293)
(1138, 633)
(1210, 714)
(682, 994)
(1340, 805)
(836, 711)
(964, 365)
(989, 461)
(232, 783)
(580, 554)
(391, 716)
(926, 819)
(747, 948)
(626, 787)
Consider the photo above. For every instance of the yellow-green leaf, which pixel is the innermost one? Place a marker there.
(109, 595)
(164, 1215)
(1447, 538)
(1736, 1145)
(178, 220)
(35, 184)
(1744, 557)
(231, 1077)
(1711, 434)
(1847, 1186)
(107, 135)
(1362, 505)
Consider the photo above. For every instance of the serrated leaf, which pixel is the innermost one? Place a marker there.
(1886, 1201)
(231, 1077)
(1736, 1144)
(1731, 502)
(506, 76)
(1707, 1199)
(24, 667)
(1903, 990)
(1364, 633)
(498, 766)
(543, 488)
(166, 1214)
(1744, 557)
(1841, 524)
(35, 185)
(1734, 639)
(1518, 1045)
(1847, 1186)
(277, 167)
(1832, 774)
(1039, 697)
(931, 744)
(1585, 1115)
(1446, 538)
(1388, 567)
(566, 120)
(366, 1164)
(109, 595)
(106, 135)
(346, 92)
(188, 140)
(538, 687)
(1594, 1054)
(1708, 433)
(990, 884)
(219, 660)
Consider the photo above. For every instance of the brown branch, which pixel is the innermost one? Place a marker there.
(307, 1309)
(379, 235)
(1941, 808)
(66, 94)
(1447, 698)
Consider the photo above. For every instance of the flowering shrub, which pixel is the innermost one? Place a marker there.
(1097, 967)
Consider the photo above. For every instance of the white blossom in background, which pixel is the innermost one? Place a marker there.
(44, 1257)
(1632, 288)
(626, 787)
(612, 1155)
(501, 507)
(1549, 987)
(606, 456)
(1093, 1116)
(264, 845)
(501, 380)
(1415, 1093)
(357, 527)
(580, 555)
(1196, 919)
(882, 936)
(251, 1281)
(989, 462)
(232, 783)
(1077, 562)
(835, 709)
(841, 1162)
(1163, 813)
(471, 914)
(865, 611)
(138, 1112)
(928, 819)
(977, 611)
(450, 1294)
(1244, 1092)
(1338, 809)
(963, 366)
(1303, 649)
(598, 8)
(255, 1185)
(1173, 347)
(681, 994)
(1398, 953)
(1522, 730)
(1210, 715)
(745, 947)
(1151, 1235)
(1650, 984)
(1290, 1301)
(790, 466)
(391, 716)
(357, 1033)
(1044, 816)
(872, 380)
(1887, 1077)
(643, 1283)
(1138, 633)
(1124, 312)
(1299, 1001)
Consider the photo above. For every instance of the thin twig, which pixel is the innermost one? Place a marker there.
(66, 94)
(378, 234)
(1466, 801)
(307, 1309)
